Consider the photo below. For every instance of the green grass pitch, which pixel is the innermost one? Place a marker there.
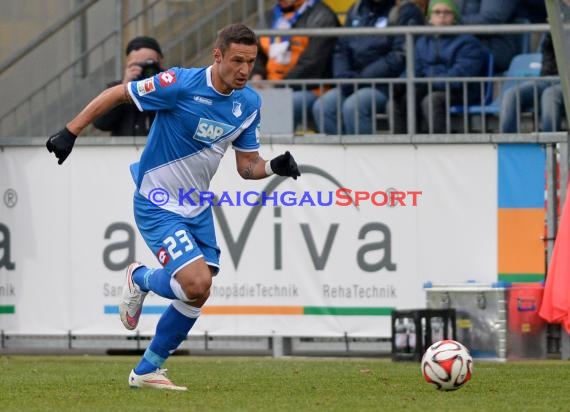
(99, 383)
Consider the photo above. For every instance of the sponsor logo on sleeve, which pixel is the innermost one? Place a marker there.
(167, 78)
(203, 100)
(145, 86)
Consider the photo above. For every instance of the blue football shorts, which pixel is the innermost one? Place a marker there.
(175, 240)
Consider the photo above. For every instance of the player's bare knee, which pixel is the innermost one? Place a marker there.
(203, 289)
(198, 286)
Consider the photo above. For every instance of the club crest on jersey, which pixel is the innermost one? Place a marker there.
(237, 109)
(145, 86)
(209, 131)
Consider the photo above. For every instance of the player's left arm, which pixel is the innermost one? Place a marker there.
(251, 165)
(101, 104)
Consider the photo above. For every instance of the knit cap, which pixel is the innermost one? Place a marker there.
(449, 3)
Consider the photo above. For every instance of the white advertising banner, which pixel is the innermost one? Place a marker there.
(331, 253)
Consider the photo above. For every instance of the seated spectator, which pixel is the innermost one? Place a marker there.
(297, 57)
(532, 10)
(521, 97)
(422, 5)
(503, 47)
(144, 59)
(440, 56)
(378, 56)
(551, 108)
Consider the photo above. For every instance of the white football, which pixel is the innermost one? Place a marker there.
(447, 364)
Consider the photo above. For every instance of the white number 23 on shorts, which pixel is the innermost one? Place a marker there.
(175, 244)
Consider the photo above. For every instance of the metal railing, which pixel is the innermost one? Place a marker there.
(44, 36)
(464, 122)
(44, 110)
(47, 107)
(185, 30)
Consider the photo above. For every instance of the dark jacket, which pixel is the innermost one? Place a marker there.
(504, 47)
(314, 60)
(446, 56)
(532, 10)
(374, 56)
(549, 66)
(125, 120)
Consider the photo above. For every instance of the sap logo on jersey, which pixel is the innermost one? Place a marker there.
(210, 130)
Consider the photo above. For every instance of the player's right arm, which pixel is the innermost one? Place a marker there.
(62, 142)
(101, 104)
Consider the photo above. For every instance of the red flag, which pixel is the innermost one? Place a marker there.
(555, 306)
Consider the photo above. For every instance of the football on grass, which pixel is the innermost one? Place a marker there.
(447, 365)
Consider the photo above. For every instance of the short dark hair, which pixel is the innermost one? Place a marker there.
(143, 42)
(235, 33)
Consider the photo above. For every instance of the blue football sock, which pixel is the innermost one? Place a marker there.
(156, 280)
(171, 330)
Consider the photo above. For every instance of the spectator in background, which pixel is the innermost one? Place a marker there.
(521, 97)
(422, 5)
(440, 56)
(503, 47)
(297, 57)
(144, 59)
(378, 56)
(533, 10)
(552, 108)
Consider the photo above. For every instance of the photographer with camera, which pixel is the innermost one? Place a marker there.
(144, 59)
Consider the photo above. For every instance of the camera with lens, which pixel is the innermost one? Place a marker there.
(149, 69)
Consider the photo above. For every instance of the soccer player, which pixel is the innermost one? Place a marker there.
(200, 112)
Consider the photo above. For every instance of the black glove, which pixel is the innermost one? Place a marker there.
(61, 144)
(285, 165)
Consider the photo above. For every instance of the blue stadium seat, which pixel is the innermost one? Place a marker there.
(522, 65)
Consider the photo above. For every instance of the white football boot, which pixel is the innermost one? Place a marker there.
(155, 380)
(132, 301)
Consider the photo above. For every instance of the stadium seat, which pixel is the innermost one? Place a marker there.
(522, 65)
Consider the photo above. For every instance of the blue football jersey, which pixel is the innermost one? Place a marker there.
(193, 127)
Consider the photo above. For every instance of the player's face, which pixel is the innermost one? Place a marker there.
(233, 68)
